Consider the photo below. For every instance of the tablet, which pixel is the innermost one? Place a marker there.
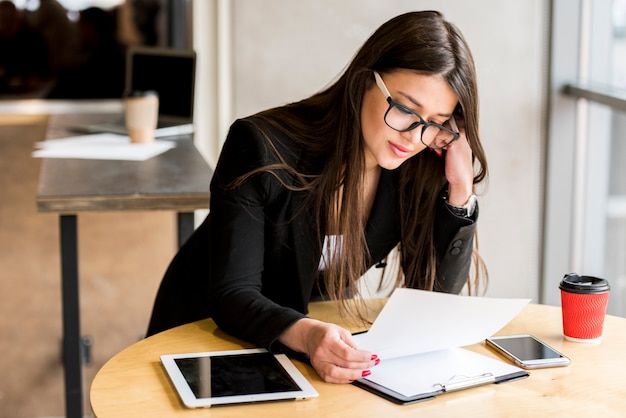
(236, 376)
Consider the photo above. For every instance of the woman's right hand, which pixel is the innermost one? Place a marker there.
(331, 350)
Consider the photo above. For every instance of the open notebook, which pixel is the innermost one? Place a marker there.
(418, 336)
(423, 376)
(171, 73)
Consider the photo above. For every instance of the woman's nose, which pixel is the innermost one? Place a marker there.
(414, 135)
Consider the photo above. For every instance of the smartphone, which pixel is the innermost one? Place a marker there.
(527, 351)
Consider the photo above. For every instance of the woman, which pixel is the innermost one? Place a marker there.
(306, 197)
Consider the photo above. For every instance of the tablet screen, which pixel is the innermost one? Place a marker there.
(235, 376)
(245, 374)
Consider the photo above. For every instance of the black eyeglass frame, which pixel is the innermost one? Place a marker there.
(392, 103)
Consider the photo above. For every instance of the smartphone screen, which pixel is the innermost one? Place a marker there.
(527, 351)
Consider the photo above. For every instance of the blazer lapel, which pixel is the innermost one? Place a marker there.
(306, 247)
(382, 232)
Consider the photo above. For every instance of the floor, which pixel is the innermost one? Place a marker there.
(122, 257)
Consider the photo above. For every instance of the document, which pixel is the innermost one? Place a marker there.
(423, 376)
(101, 147)
(418, 337)
(417, 321)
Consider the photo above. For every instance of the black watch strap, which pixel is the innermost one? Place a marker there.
(467, 210)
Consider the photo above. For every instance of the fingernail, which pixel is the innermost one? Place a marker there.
(377, 362)
(366, 373)
(374, 357)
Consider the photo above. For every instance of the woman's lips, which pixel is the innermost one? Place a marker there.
(399, 150)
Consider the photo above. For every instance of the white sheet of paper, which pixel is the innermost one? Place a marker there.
(103, 146)
(417, 321)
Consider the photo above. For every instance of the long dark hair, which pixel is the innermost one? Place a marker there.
(328, 125)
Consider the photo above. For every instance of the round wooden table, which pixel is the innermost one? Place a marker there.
(134, 383)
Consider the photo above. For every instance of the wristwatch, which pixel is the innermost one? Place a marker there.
(467, 210)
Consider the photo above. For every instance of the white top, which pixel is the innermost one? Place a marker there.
(332, 248)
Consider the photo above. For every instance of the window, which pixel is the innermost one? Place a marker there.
(77, 48)
(615, 258)
(585, 199)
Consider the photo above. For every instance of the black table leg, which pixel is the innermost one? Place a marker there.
(71, 317)
(72, 342)
(185, 226)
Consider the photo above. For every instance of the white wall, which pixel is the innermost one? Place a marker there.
(285, 50)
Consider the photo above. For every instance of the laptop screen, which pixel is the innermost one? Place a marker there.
(171, 72)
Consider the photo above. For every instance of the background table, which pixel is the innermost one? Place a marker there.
(177, 180)
(133, 383)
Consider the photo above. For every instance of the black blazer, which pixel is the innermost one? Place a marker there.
(252, 264)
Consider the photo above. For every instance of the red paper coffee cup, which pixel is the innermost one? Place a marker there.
(583, 301)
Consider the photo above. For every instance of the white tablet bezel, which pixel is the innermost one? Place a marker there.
(189, 399)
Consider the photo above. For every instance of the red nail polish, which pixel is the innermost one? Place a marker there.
(374, 357)
(377, 362)
(366, 373)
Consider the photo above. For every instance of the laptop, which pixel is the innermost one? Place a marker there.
(171, 73)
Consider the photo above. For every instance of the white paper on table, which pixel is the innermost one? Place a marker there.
(104, 146)
(417, 321)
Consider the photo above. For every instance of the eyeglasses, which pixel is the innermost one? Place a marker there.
(403, 119)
